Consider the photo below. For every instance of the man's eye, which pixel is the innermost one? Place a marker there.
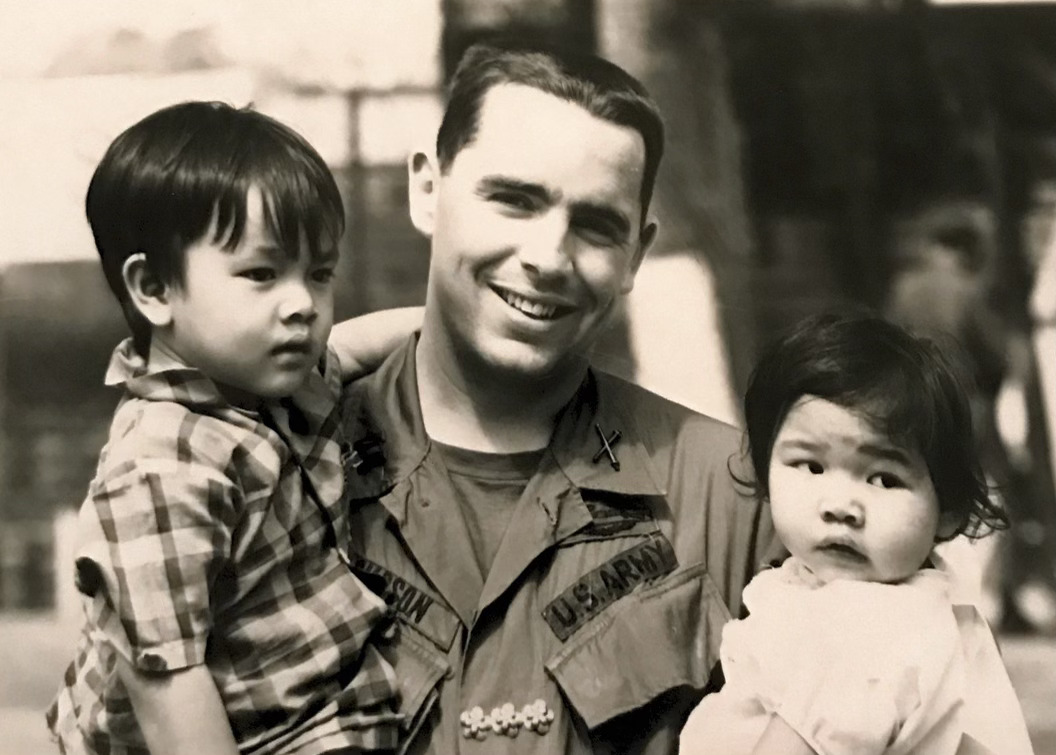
(887, 480)
(599, 234)
(258, 274)
(514, 200)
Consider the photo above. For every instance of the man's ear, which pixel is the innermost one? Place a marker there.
(645, 240)
(423, 176)
(150, 295)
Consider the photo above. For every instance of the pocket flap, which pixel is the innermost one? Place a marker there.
(660, 637)
(419, 666)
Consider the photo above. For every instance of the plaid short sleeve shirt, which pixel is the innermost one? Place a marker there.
(208, 536)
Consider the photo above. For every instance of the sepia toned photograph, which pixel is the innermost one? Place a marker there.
(528, 376)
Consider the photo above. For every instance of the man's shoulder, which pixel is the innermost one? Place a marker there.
(658, 416)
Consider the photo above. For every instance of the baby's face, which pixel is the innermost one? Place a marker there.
(847, 501)
(253, 320)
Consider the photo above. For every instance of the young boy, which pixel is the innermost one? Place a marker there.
(220, 615)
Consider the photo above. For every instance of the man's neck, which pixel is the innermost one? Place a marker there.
(472, 407)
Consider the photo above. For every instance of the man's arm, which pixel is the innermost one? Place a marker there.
(363, 342)
(180, 713)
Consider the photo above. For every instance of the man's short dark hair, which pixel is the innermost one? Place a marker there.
(601, 88)
(162, 182)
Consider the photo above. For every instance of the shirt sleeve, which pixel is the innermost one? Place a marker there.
(156, 537)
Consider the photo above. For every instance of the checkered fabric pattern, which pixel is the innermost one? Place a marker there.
(201, 544)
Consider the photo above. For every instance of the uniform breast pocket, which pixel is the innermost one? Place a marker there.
(662, 636)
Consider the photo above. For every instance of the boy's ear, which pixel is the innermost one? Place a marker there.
(150, 295)
(423, 176)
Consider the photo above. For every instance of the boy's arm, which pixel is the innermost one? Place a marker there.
(180, 713)
(781, 739)
(363, 342)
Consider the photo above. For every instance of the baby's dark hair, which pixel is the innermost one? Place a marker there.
(165, 179)
(907, 387)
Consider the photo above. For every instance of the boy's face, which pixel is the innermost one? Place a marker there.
(845, 500)
(253, 320)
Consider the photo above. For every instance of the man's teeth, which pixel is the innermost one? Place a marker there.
(530, 308)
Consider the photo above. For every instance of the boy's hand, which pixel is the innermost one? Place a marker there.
(179, 713)
(363, 342)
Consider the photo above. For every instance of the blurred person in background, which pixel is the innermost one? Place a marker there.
(941, 287)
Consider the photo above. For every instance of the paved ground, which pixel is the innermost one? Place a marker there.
(34, 652)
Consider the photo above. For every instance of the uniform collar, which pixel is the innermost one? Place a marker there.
(389, 411)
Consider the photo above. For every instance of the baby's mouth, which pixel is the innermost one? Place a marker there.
(843, 550)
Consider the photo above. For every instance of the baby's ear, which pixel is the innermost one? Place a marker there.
(148, 293)
(950, 525)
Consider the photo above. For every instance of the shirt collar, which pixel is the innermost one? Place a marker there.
(164, 377)
(389, 411)
(161, 377)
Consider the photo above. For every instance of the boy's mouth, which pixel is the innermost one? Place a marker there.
(297, 347)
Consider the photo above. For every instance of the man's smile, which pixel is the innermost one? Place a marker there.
(537, 308)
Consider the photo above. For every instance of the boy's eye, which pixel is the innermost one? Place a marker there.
(887, 480)
(258, 274)
(323, 275)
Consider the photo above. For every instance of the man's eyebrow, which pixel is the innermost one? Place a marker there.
(506, 183)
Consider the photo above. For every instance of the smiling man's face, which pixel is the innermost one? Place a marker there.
(536, 233)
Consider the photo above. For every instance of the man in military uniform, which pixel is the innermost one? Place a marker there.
(560, 548)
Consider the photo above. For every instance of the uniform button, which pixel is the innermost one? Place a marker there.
(450, 673)
(425, 503)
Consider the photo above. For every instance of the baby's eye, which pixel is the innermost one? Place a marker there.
(887, 480)
(258, 274)
(808, 465)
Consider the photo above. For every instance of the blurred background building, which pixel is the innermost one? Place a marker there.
(892, 154)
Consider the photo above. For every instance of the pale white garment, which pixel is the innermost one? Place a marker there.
(859, 667)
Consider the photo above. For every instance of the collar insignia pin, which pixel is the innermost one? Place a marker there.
(606, 447)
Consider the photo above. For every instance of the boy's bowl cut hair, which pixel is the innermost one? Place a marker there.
(908, 388)
(601, 88)
(166, 180)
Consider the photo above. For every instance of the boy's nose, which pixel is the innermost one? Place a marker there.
(297, 303)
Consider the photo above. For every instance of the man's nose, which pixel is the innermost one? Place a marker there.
(544, 249)
(297, 302)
